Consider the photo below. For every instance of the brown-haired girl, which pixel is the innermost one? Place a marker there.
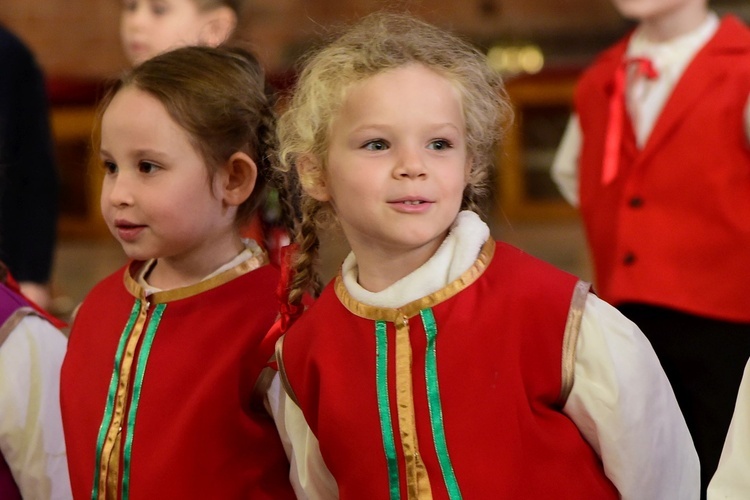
(159, 395)
(440, 363)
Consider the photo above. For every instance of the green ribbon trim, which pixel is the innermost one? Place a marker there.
(384, 408)
(109, 407)
(436, 410)
(148, 340)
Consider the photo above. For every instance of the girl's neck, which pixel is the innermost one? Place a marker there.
(193, 267)
(378, 270)
(675, 23)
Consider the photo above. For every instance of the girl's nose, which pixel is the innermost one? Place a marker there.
(410, 163)
(118, 190)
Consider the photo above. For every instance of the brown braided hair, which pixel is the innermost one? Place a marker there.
(219, 96)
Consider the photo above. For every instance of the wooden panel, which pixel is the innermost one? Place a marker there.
(526, 156)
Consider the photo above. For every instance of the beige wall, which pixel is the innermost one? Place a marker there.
(79, 38)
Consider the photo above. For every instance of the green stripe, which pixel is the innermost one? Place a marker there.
(436, 411)
(384, 408)
(109, 407)
(148, 340)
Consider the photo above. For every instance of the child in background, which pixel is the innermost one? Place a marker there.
(185, 144)
(32, 448)
(440, 363)
(657, 157)
(151, 27)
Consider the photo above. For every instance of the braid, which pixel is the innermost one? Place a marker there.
(306, 278)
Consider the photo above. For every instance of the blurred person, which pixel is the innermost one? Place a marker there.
(32, 449)
(657, 158)
(151, 27)
(28, 175)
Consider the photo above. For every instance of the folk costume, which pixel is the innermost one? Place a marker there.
(179, 417)
(32, 447)
(666, 211)
(483, 374)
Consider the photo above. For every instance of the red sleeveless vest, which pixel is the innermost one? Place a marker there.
(459, 391)
(673, 228)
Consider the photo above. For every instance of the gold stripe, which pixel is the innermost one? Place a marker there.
(110, 458)
(417, 481)
(258, 399)
(245, 267)
(13, 321)
(570, 338)
(282, 372)
(412, 309)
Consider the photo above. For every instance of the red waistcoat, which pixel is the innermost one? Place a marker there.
(188, 428)
(461, 389)
(673, 229)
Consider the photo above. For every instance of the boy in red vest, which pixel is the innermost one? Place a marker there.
(657, 158)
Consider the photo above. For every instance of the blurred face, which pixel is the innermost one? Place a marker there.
(397, 163)
(655, 10)
(157, 198)
(150, 27)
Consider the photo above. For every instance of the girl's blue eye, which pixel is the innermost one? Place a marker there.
(439, 145)
(376, 145)
(129, 5)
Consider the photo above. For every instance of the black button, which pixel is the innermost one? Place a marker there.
(629, 259)
(636, 202)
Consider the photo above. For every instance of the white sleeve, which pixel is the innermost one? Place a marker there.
(31, 434)
(308, 473)
(732, 478)
(624, 406)
(565, 164)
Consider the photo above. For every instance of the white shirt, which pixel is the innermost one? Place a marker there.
(732, 477)
(31, 434)
(621, 400)
(645, 98)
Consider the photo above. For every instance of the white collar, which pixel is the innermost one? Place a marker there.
(252, 249)
(456, 254)
(680, 48)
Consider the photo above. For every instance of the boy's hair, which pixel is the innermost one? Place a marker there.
(219, 97)
(378, 43)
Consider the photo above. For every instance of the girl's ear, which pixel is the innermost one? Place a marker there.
(221, 23)
(237, 179)
(312, 179)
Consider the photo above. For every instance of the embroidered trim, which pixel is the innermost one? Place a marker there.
(413, 308)
(384, 408)
(435, 406)
(245, 267)
(135, 398)
(570, 338)
(417, 481)
(101, 468)
(282, 371)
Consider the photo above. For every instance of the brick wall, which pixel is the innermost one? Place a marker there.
(80, 38)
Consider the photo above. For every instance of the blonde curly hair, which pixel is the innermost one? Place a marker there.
(381, 42)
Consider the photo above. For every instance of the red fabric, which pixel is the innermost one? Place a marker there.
(613, 140)
(499, 361)
(673, 228)
(196, 435)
